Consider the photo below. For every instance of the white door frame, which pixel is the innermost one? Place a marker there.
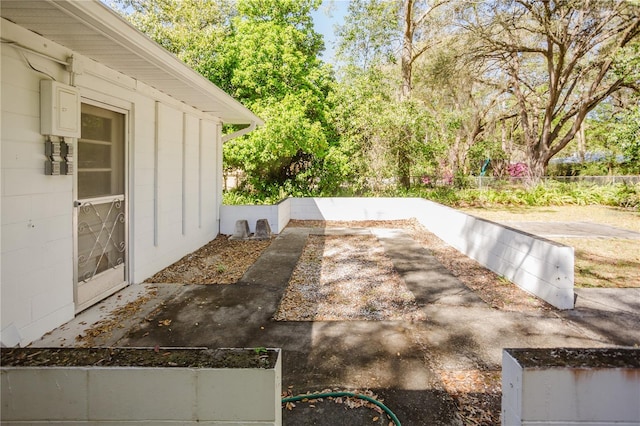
(123, 108)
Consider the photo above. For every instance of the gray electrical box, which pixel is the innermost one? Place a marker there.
(54, 168)
(59, 109)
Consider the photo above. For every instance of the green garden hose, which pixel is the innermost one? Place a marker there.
(339, 394)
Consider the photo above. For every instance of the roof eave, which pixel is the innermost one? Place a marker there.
(111, 25)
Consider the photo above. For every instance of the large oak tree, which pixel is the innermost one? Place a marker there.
(558, 59)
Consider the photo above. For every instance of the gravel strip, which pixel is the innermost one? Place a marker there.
(346, 278)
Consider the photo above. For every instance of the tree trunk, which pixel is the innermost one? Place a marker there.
(582, 143)
(538, 161)
(407, 50)
(454, 153)
(506, 142)
(404, 157)
(404, 167)
(576, 45)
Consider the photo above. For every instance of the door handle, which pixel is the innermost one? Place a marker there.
(77, 203)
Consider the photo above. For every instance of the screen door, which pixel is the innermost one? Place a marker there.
(101, 218)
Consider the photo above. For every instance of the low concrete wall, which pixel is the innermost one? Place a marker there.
(537, 265)
(278, 216)
(130, 395)
(571, 386)
(355, 209)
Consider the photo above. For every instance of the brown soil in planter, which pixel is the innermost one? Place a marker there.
(139, 357)
(577, 357)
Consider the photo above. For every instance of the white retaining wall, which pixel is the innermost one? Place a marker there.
(537, 265)
(589, 394)
(278, 216)
(356, 209)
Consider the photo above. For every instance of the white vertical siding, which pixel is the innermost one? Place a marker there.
(177, 201)
(219, 176)
(190, 175)
(169, 175)
(210, 201)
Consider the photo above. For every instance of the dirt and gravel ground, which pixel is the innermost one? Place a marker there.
(350, 277)
(496, 291)
(351, 264)
(221, 261)
(599, 263)
(342, 278)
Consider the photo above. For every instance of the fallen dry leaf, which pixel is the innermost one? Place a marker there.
(115, 320)
(476, 392)
(333, 260)
(221, 261)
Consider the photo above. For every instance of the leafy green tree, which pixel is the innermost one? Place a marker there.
(275, 49)
(615, 132)
(373, 125)
(278, 74)
(377, 37)
(265, 53)
(269, 154)
(196, 31)
(370, 34)
(464, 107)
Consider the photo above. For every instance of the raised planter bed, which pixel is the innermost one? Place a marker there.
(571, 386)
(141, 385)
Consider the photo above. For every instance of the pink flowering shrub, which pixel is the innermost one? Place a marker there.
(518, 170)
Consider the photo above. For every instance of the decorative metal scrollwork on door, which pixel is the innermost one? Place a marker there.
(101, 237)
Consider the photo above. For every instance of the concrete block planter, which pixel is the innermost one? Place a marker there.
(571, 386)
(140, 385)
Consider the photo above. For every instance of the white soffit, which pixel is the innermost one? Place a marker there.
(97, 32)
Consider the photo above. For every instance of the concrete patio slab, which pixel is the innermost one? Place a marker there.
(398, 360)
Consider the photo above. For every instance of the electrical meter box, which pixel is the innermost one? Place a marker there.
(59, 109)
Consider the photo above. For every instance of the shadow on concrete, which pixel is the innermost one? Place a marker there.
(397, 360)
(382, 356)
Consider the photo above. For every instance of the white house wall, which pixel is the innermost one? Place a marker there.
(173, 192)
(36, 240)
